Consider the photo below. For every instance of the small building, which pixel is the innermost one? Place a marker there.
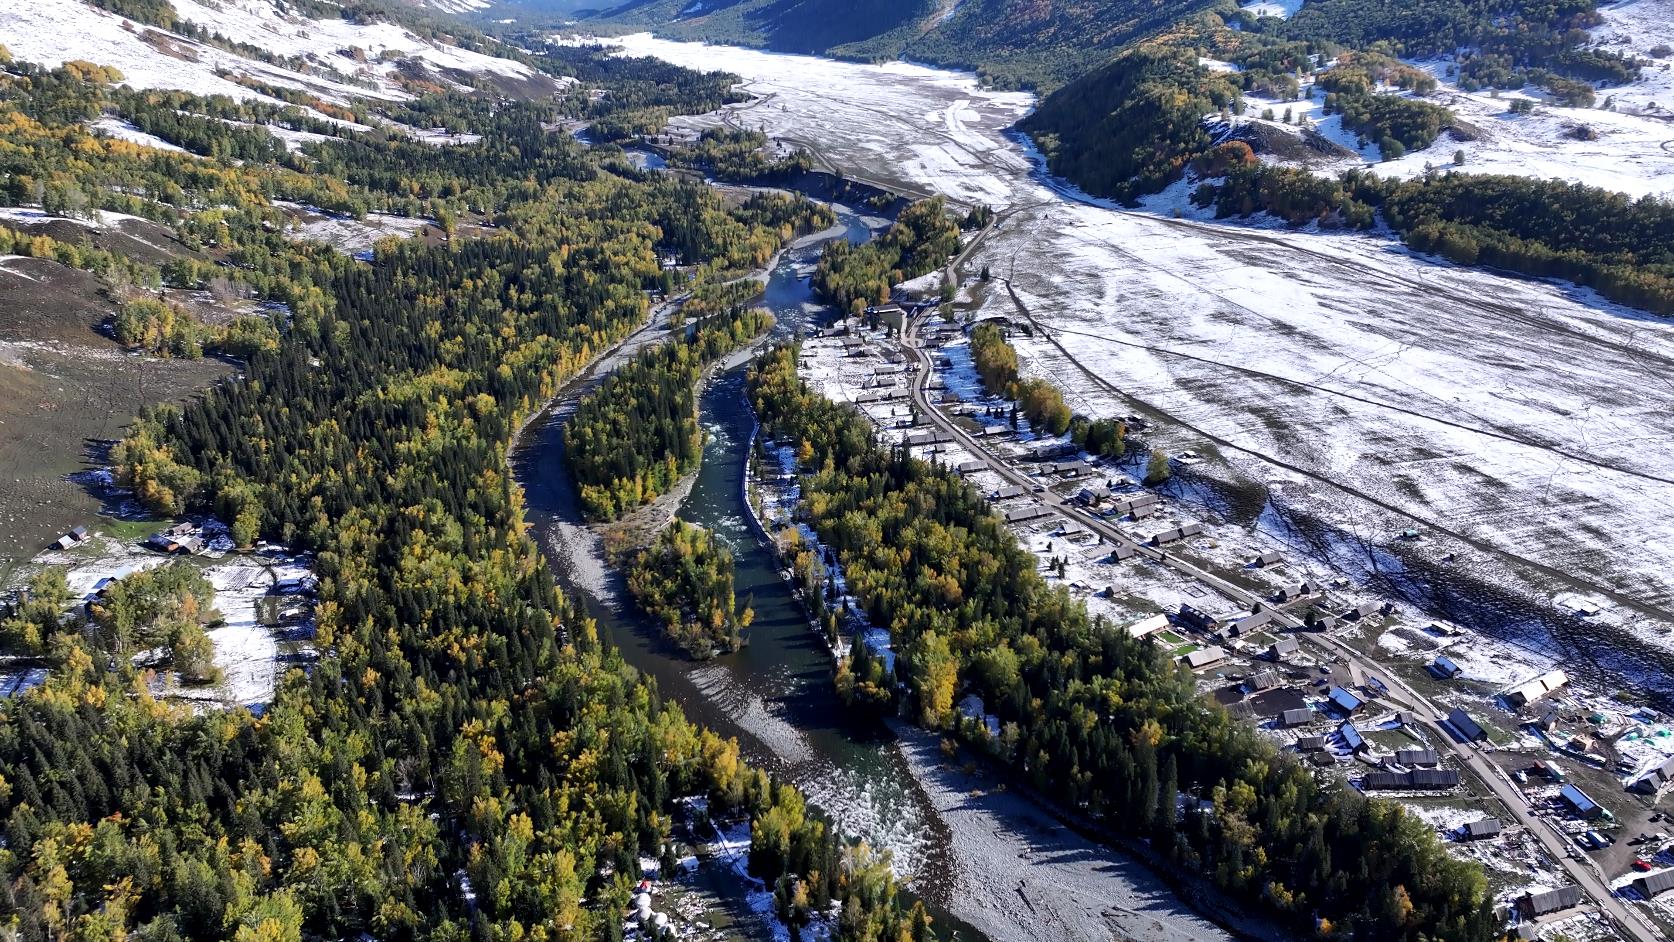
(1248, 623)
(1481, 830)
(1204, 657)
(1537, 687)
(1351, 736)
(1652, 885)
(1465, 728)
(1535, 905)
(1165, 537)
(1149, 626)
(1361, 611)
(1426, 758)
(1197, 620)
(1654, 780)
(1417, 779)
(1345, 700)
(1027, 514)
(1191, 529)
(1265, 560)
(72, 538)
(1121, 552)
(1301, 716)
(1300, 590)
(1264, 680)
(1310, 743)
(1008, 492)
(1144, 511)
(1580, 802)
(970, 467)
(1283, 649)
(933, 437)
(1444, 668)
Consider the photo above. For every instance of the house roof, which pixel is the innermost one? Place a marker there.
(1296, 717)
(1487, 827)
(1551, 901)
(1417, 756)
(1345, 699)
(1582, 802)
(1653, 884)
(1203, 657)
(1465, 726)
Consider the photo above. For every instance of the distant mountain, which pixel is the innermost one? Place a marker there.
(1040, 43)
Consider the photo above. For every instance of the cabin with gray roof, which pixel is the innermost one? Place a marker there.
(1535, 905)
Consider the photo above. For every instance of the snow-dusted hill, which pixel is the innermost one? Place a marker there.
(1624, 143)
(332, 58)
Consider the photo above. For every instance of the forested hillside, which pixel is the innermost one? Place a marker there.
(1039, 43)
(465, 759)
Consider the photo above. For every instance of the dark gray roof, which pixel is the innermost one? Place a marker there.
(1653, 884)
(1466, 727)
(1487, 827)
(1551, 901)
(1417, 756)
(1296, 717)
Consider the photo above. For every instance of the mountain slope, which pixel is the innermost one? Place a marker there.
(1040, 43)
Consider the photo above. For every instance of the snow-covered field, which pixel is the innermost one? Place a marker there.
(54, 31)
(1377, 388)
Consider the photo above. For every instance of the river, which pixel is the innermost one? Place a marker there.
(988, 864)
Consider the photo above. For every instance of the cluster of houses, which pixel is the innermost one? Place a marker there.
(182, 539)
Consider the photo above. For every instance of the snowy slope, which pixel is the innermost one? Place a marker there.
(1511, 411)
(54, 31)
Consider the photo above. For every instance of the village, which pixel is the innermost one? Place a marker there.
(1549, 785)
(262, 621)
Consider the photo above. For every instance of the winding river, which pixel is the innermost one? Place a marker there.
(989, 864)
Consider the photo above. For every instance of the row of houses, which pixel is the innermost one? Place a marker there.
(1176, 534)
(1413, 779)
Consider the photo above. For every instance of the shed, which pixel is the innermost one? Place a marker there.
(1265, 559)
(1351, 736)
(1535, 905)
(1199, 620)
(1444, 668)
(1363, 610)
(1652, 885)
(1008, 492)
(1121, 552)
(1298, 717)
(1480, 830)
(1264, 680)
(970, 467)
(1249, 623)
(1191, 529)
(1464, 727)
(1164, 537)
(1536, 687)
(1310, 743)
(1653, 781)
(1580, 802)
